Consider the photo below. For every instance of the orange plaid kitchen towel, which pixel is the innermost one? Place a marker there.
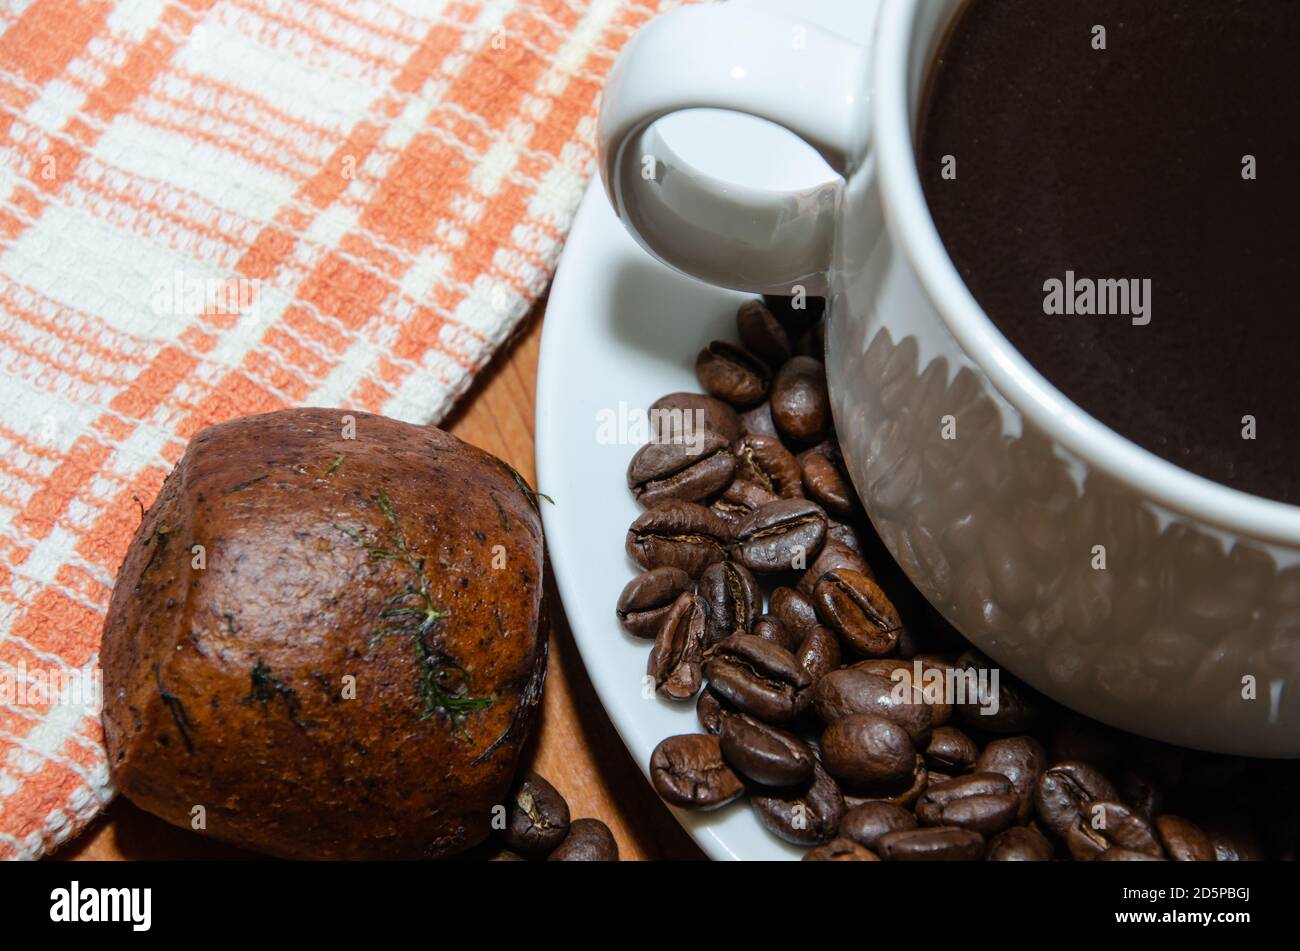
(217, 207)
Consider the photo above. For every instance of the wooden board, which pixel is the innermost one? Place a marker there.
(576, 747)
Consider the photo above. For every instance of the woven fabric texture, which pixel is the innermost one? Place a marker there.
(210, 208)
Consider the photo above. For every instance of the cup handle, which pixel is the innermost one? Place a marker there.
(746, 59)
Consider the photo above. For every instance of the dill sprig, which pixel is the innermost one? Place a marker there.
(161, 535)
(176, 709)
(244, 485)
(411, 612)
(265, 687)
(531, 494)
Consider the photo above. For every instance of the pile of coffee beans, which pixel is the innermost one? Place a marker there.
(774, 607)
(537, 826)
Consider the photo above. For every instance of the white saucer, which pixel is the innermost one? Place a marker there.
(621, 330)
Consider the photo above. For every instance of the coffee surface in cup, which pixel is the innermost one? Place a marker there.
(1118, 184)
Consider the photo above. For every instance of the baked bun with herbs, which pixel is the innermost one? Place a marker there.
(328, 638)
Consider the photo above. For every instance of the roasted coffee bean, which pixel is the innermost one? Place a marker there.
(758, 421)
(983, 802)
(936, 673)
(865, 750)
(491, 850)
(808, 814)
(763, 459)
(763, 753)
(771, 668)
(841, 850)
(1013, 708)
(688, 471)
(842, 533)
(538, 817)
(933, 844)
(1008, 707)
(1127, 855)
(762, 334)
(1105, 825)
(907, 645)
(739, 499)
(681, 415)
(905, 791)
(589, 840)
(678, 535)
(1183, 840)
(951, 750)
(1022, 760)
(819, 654)
(828, 448)
(1140, 791)
(793, 610)
(747, 495)
(854, 607)
(883, 666)
(689, 771)
(759, 678)
(647, 598)
(732, 374)
(801, 407)
(732, 600)
(833, 555)
(795, 314)
(847, 691)
(1233, 837)
(812, 342)
(906, 706)
(1019, 844)
(780, 536)
(1065, 792)
(709, 711)
(676, 661)
(825, 484)
(771, 629)
(843, 692)
(865, 824)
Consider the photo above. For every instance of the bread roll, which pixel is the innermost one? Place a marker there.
(328, 638)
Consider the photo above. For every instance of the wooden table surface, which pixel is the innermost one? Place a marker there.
(576, 747)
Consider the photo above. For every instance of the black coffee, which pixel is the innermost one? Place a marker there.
(1119, 185)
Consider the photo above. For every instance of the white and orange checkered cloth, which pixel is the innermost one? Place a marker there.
(217, 207)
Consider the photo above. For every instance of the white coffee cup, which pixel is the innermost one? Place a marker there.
(1109, 579)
